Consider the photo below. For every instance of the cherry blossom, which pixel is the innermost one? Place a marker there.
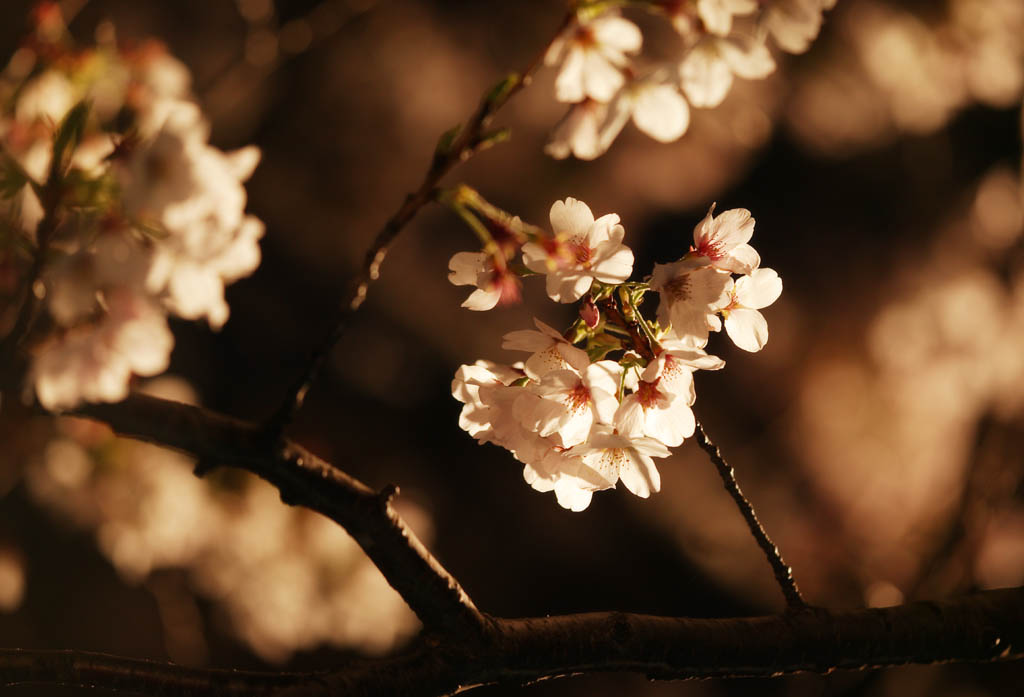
(717, 14)
(656, 107)
(596, 247)
(579, 133)
(618, 457)
(723, 240)
(550, 350)
(707, 70)
(744, 324)
(592, 53)
(493, 286)
(691, 292)
(571, 402)
(794, 24)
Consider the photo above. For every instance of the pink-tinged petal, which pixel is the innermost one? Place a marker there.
(525, 340)
(482, 300)
(534, 257)
(661, 112)
(760, 289)
(742, 259)
(747, 329)
(571, 218)
(616, 268)
(567, 289)
(706, 78)
(575, 429)
(603, 375)
(543, 362)
(716, 236)
(638, 473)
(617, 33)
(601, 79)
(569, 83)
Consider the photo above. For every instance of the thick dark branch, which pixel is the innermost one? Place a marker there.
(133, 675)
(982, 627)
(469, 140)
(304, 479)
(783, 573)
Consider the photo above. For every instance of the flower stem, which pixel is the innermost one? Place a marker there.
(783, 573)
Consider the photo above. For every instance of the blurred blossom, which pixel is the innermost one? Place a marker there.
(888, 434)
(287, 578)
(12, 580)
(893, 72)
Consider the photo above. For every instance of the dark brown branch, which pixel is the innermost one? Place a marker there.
(304, 479)
(783, 573)
(982, 627)
(470, 139)
(151, 678)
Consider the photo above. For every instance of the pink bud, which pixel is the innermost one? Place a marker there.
(589, 312)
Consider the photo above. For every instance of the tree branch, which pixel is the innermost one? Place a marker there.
(783, 573)
(304, 479)
(469, 140)
(982, 627)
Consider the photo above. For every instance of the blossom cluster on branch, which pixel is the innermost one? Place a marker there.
(109, 183)
(596, 404)
(720, 40)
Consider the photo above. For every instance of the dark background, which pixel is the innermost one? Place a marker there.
(855, 225)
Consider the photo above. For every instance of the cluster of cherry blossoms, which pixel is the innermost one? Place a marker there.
(720, 39)
(594, 405)
(109, 180)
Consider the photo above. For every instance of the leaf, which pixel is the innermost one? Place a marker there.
(499, 93)
(69, 135)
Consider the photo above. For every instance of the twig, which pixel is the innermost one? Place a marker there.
(304, 479)
(982, 627)
(783, 573)
(467, 142)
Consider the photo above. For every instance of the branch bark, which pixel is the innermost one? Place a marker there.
(982, 627)
(304, 479)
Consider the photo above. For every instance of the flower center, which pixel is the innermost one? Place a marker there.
(678, 288)
(578, 398)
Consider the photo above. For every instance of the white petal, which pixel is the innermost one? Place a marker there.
(601, 79)
(705, 76)
(617, 33)
(569, 83)
(571, 218)
(568, 289)
(753, 61)
(639, 474)
(747, 329)
(760, 289)
(661, 112)
(464, 267)
(482, 299)
(742, 259)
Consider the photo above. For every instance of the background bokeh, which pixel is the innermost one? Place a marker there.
(879, 434)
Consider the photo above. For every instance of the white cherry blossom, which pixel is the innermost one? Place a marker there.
(745, 325)
(656, 107)
(579, 133)
(549, 349)
(691, 292)
(492, 286)
(723, 240)
(794, 24)
(618, 457)
(94, 362)
(595, 247)
(592, 53)
(571, 402)
(707, 70)
(717, 14)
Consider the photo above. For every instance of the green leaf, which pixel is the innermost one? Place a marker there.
(499, 93)
(69, 135)
(444, 143)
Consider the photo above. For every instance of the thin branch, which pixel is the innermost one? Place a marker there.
(469, 140)
(982, 627)
(783, 573)
(304, 479)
